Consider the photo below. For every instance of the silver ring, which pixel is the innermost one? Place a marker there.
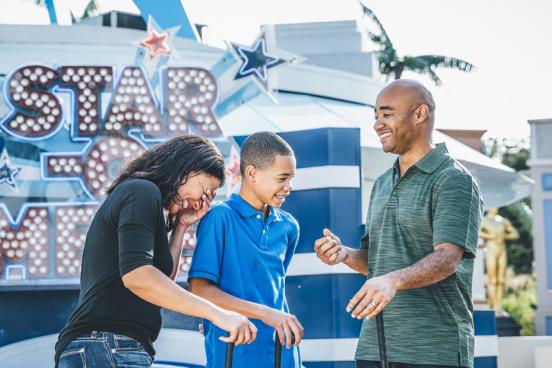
(373, 304)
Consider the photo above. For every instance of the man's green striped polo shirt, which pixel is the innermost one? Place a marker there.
(435, 201)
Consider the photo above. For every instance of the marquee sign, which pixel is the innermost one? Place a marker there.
(70, 128)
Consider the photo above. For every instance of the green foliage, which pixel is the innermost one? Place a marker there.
(520, 303)
(517, 160)
(520, 252)
(391, 64)
(512, 153)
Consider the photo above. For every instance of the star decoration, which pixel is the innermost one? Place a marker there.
(7, 174)
(156, 43)
(256, 60)
(155, 51)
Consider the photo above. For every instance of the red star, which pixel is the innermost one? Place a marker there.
(233, 171)
(156, 43)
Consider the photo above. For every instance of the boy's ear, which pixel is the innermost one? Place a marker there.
(250, 172)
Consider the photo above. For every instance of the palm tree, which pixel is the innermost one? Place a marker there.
(391, 64)
(90, 10)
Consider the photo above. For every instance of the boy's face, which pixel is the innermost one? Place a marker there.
(273, 184)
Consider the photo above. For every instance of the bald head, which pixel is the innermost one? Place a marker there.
(412, 93)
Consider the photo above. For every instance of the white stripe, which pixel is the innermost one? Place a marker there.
(303, 264)
(330, 176)
(486, 346)
(323, 350)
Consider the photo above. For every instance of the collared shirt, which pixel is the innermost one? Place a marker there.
(247, 257)
(435, 201)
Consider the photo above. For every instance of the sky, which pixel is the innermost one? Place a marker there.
(508, 41)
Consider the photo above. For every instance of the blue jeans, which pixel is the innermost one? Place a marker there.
(104, 349)
(376, 364)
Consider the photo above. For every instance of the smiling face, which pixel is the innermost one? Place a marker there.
(399, 116)
(393, 122)
(272, 185)
(191, 191)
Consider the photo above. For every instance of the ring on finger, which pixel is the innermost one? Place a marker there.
(373, 305)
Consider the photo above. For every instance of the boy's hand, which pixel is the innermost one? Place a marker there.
(286, 324)
(329, 249)
(241, 330)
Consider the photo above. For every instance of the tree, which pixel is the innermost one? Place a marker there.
(90, 10)
(392, 65)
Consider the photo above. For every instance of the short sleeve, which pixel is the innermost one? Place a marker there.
(138, 223)
(207, 258)
(365, 240)
(457, 213)
(292, 246)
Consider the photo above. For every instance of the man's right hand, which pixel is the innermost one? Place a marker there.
(241, 330)
(286, 324)
(329, 249)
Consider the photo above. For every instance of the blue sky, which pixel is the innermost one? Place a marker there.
(508, 41)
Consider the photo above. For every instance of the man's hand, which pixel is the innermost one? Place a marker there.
(286, 324)
(329, 249)
(372, 297)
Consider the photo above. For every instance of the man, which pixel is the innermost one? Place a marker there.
(419, 244)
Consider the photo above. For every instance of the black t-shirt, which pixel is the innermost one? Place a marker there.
(127, 232)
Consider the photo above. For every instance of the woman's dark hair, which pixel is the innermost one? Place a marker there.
(169, 164)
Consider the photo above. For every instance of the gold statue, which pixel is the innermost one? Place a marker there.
(496, 229)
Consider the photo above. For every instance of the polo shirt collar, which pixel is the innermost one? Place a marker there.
(430, 162)
(246, 210)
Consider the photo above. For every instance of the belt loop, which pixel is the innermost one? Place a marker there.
(94, 334)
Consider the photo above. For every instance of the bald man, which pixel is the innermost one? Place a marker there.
(419, 243)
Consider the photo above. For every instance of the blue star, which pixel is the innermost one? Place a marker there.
(7, 175)
(256, 61)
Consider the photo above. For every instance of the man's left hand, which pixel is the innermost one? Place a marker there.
(372, 297)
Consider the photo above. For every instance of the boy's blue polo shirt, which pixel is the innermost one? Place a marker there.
(247, 258)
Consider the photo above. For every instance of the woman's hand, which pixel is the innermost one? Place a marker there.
(241, 330)
(189, 214)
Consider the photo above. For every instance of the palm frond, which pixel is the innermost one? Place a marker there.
(422, 66)
(370, 14)
(90, 10)
(440, 61)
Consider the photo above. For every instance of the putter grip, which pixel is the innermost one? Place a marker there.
(229, 354)
(278, 350)
(381, 340)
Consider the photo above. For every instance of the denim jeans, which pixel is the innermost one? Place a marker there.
(104, 349)
(376, 364)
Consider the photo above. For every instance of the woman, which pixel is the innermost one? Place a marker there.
(129, 265)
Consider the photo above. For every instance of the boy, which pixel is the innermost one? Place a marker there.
(244, 248)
